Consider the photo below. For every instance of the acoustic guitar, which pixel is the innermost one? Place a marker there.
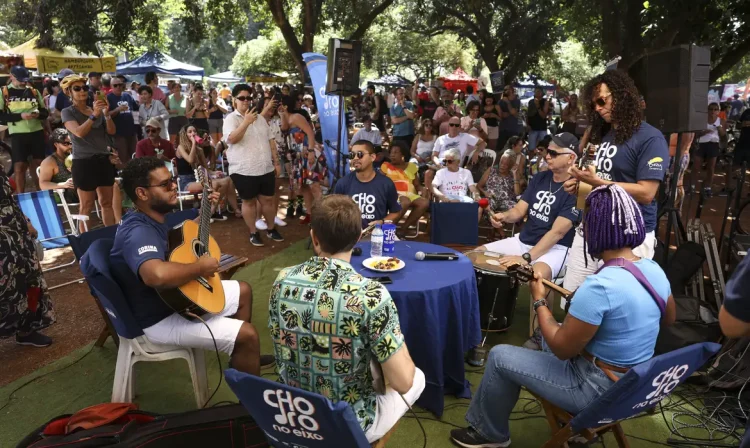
(188, 242)
(588, 158)
(525, 274)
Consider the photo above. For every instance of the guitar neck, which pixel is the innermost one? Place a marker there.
(205, 218)
(564, 292)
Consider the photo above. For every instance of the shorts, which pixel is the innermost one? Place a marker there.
(577, 269)
(200, 124)
(391, 407)
(176, 330)
(554, 258)
(707, 150)
(249, 187)
(215, 125)
(493, 132)
(185, 179)
(92, 173)
(28, 144)
(176, 123)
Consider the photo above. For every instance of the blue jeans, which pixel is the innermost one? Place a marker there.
(535, 137)
(570, 385)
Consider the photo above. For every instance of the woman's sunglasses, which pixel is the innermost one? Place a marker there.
(602, 100)
(79, 88)
(448, 161)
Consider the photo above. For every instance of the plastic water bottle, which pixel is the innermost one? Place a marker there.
(376, 242)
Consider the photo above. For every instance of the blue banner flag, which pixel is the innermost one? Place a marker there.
(328, 113)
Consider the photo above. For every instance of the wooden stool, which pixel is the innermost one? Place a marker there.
(381, 443)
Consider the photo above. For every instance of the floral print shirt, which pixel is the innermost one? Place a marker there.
(327, 322)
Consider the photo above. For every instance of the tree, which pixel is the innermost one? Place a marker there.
(509, 35)
(630, 28)
(263, 54)
(738, 73)
(568, 65)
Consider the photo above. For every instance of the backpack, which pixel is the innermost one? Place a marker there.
(6, 94)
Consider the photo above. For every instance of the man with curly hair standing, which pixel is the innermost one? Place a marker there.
(631, 153)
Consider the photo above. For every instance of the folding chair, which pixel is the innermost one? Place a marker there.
(134, 345)
(182, 195)
(63, 203)
(41, 209)
(639, 390)
(293, 417)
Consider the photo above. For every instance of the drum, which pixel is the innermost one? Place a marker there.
(498, 291)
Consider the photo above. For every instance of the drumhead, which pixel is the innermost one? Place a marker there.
(487, 262)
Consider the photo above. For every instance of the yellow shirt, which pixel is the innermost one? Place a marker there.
(224, 93)
(403, 179)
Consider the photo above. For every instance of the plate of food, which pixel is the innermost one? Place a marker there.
(384, 264)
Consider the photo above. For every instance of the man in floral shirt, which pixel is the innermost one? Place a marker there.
(329, 323)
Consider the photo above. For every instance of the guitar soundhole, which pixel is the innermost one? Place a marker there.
(198, 249)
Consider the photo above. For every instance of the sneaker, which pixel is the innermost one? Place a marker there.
(279, 222)
(469, 438)
(290, 212)
(306, 219)
(275, 235)
(255, 239)
(267, 361)
(300, 210)
(535, 341)
(218, 217)
(260, 224)
(34, 339)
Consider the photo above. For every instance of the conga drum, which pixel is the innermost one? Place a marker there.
(498, 291)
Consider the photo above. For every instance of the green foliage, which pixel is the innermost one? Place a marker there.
(739, 73)
(263, 54)
(569, 65)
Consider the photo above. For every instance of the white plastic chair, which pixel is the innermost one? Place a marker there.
(132, 351)
(182, 195)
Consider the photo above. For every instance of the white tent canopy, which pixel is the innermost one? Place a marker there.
(225, 77)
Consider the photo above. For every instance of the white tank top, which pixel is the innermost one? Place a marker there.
(713, 133)
(424, 148)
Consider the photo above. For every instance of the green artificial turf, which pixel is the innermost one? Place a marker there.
(84, 378)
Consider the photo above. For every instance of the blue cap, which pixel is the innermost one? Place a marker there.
(21, 73)
(65, 72)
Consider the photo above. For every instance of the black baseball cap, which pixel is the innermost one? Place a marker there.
(567, 140)
(21, 73)
(95, 75)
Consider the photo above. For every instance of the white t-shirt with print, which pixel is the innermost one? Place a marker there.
(251, 156)
(461, 142)
(455, 183)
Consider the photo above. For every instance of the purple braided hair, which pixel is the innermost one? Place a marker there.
(613, 221)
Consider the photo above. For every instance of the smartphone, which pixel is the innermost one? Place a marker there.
(383, 280)
(100, 96)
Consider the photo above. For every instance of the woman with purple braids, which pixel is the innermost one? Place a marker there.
(611, 326)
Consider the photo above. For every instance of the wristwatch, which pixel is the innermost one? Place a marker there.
(527, 257)
(92, 117)
(540, 302)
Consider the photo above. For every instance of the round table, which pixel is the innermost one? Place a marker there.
(438, 308)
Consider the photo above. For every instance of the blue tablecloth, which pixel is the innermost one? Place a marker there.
(438, 308)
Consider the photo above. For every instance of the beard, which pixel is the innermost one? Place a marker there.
(162, 207)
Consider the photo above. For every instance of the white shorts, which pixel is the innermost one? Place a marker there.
(179, 331)
(578, 270)
(554, 258)
(390, 408)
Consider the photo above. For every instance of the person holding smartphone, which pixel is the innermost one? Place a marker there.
(94, 161)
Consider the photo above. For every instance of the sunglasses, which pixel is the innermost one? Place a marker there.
(243, 98)
(152, 131)
(552, 153)
(448, 161)
(79, 88)
(602, 101)
(65, 143)
(114, 86)
(358, 154)
(454, 125)
(167, 184)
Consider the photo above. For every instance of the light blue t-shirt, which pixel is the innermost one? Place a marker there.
(404, 128)
(626, 314)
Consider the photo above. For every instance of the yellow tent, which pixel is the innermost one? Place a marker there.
(49, 61)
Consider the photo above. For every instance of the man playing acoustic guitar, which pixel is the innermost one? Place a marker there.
(138, 259)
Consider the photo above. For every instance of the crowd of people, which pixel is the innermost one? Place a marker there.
(326, 321)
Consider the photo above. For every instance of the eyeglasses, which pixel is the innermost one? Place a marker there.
(152, 131)
(79, 88)
(167, 184)
(358, 154)
(448, 161)
(602, 100)
(454, 125)
(243, 98)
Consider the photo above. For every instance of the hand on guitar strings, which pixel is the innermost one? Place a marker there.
(207, 266)
(537, 288)
(587, 175)
(214, 197)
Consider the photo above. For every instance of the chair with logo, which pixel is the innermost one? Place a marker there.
(294, 417)
(134, 346)
(454, 223)
(639, 390)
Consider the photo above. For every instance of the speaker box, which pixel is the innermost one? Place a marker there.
(344, 60)
(674, 83)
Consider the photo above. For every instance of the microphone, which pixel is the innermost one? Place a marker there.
(420, 256)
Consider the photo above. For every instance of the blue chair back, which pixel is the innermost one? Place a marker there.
(292, 417)
(41, 209)
(454, 223)
(80, 243)
(179, 216)
(644, 386)
(97, 269)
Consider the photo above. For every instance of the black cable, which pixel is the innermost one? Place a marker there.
(424, 433)
(218, 359)
(60, 369)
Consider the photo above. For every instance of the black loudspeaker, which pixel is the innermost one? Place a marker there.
(344, 60)
(674, 83)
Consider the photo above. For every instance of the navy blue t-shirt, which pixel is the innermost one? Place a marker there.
(376, 198)
(547, 201)
(62, 101)
(645, 156)
(124, 124)
(139, 239)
